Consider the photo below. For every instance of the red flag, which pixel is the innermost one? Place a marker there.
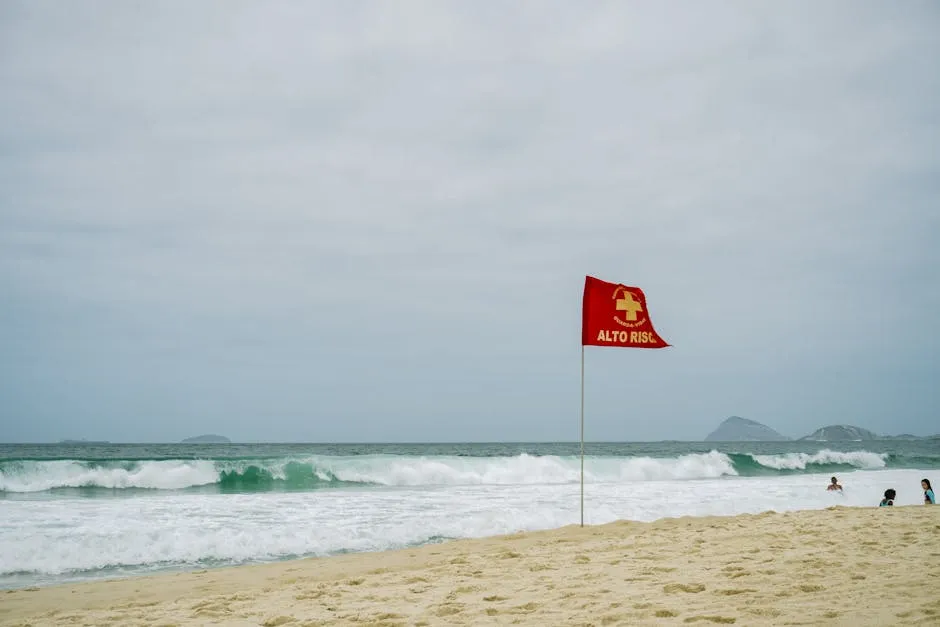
(616, 315)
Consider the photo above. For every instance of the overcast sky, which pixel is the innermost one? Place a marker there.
(371, 221)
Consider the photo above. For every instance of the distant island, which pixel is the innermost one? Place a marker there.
(737, 429)
(207, 439)
(842, 433)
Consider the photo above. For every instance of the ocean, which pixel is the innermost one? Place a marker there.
(74, 512)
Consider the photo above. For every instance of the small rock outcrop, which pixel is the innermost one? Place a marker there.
(207, 439)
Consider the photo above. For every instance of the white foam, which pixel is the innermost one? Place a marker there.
(387, 470)
(523, 469)
(55, 539)
(37, 476)
(799, 461)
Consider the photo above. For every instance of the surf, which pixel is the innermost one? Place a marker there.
(179, 530)
(319, 472)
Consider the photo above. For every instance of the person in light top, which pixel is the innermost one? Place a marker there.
(888, 500)
(929, 498)
(834, 485)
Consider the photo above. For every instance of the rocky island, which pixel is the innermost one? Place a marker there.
(737, 429)
(842, 433)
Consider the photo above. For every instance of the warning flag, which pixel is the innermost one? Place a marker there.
(616, 315)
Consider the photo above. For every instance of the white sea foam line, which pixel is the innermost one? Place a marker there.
(381, 470)
(799, 461)
(37, 476)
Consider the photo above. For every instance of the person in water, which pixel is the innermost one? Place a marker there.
(929, 498)
(888, 500)
(834, 485)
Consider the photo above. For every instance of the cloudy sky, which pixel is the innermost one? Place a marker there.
(335, 221)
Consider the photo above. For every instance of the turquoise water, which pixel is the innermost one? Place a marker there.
(92, 470)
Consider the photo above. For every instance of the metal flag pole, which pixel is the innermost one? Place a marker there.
(582, 435)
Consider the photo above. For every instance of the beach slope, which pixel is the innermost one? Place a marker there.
(836, 566)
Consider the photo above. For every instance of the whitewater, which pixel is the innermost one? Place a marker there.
(107, 512)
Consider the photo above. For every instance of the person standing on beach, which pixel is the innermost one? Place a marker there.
(929, 498)
(834, 485)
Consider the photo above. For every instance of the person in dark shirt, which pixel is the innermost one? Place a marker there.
(888, 500)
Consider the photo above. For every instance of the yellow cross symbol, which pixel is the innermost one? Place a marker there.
(628, 304)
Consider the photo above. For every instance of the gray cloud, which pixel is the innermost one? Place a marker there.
(335, 222)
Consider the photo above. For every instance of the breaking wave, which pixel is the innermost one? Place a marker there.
(320, 472)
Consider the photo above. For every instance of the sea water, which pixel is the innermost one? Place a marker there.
(75, 512)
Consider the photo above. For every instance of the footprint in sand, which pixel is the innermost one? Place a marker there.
(449, 609)
(278, 620)
(661, 569)
(734, 591)
(764, 611)
(525, 609)
(615, 619)
(388, 616)
(683, 587)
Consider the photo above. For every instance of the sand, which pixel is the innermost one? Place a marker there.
(858, 566)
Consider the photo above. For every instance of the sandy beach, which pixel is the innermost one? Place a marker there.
(856, 566)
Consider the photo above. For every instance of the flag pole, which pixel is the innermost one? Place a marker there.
(603, 303)
(582, 435)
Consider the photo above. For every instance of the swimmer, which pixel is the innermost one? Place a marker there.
(888, 500)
